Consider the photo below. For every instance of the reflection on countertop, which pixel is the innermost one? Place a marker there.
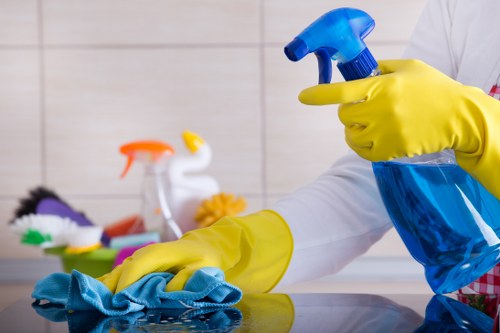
(274, 313)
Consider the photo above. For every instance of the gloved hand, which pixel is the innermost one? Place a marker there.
(413, 109)
(253, 251)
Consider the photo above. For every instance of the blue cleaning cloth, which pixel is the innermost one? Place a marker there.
(77, 291)
(154, 320)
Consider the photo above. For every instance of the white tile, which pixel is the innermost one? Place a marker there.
(98, 100)
(150, 22)
(19, 22)
(395, 20)
(20, 127)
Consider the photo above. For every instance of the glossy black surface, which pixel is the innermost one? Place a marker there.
(275, 313)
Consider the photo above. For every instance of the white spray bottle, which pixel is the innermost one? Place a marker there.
(187, 186)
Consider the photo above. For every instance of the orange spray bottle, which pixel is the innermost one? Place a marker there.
(155, 210)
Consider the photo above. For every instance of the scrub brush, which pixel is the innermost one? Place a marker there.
(42, 201)
(218, 206)
(43, 230)
(44, 219)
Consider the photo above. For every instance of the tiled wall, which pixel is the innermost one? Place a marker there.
(78, 78)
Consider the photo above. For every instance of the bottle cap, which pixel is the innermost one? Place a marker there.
(359, 67)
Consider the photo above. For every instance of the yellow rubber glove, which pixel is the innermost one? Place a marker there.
(253, 251)
(413, 109)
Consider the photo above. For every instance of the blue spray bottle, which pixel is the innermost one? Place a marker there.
(448, 221)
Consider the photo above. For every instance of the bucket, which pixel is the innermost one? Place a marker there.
(94, 264)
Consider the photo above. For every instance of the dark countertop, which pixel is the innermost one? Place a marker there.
(301, 313)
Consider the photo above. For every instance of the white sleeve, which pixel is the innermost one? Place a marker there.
(333, 220)
(431, 40)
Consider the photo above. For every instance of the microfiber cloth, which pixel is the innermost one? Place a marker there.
(154, 320)
(77, 291)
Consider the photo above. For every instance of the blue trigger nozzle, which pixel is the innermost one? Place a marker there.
(337, 35)
(296, 49)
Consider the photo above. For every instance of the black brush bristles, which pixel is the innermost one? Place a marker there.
(28, 205)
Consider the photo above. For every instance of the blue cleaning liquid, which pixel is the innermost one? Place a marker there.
(449, 222)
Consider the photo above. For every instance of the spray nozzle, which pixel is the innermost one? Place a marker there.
(148, 151)
(337, 35)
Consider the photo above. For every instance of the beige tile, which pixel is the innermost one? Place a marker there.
(104, 210)
(20, 146)
(391, 245)
(107, 210)
(98, 100)
(301, 141)
(19, 22)
(254, 204)
(284, 19)
(151, 22)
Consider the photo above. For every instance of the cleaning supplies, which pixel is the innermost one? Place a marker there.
(43, 201)
(43, 230)
(129, 225)
(84, 239)
(44, 219)
(444, 216)
(217, 206)
(155, 211)
(173, 185)
(187, 185)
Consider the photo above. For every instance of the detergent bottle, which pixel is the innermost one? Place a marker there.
(155, 211)
(188, 185)
(448, 221)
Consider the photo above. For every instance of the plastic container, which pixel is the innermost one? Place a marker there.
(95, 263)
(155, 212)
(448, 221)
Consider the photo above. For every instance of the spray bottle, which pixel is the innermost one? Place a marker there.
(448, 221)
(156, 211)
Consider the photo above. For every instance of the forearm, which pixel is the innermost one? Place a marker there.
(333, 220)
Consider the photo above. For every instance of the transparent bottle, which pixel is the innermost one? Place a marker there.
(155, 210)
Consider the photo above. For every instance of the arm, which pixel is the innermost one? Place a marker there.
(321, 227)
(334, 219)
